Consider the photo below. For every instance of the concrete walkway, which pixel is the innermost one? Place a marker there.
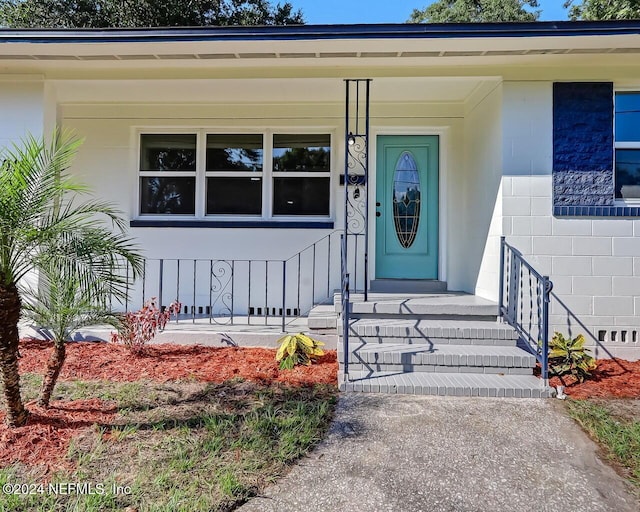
(418, 453)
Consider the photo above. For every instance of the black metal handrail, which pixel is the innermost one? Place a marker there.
(524, 297)
(345, 303)
(298, 258)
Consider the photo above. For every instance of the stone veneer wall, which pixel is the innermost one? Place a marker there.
(583, 144)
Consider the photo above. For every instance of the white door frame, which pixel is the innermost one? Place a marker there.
(443, 149)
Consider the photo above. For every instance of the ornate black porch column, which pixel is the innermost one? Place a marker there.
(356, 179)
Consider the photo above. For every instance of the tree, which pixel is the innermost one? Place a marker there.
(144, 13)
(43, 226)
(476, 11)
(61, 305)
(604, 10)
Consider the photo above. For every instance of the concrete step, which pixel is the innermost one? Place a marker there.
(439, 331)
(447, 384)
(407, 286)
(373, 369)
(445, 356)
(322, 317)
(450, 304)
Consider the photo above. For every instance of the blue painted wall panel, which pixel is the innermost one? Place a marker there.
(583, 144)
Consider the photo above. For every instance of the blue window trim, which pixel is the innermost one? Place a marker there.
(618, 144)
(596, 211)
(249, 224)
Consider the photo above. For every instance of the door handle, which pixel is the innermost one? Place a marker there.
(377, 204)
(378, 214)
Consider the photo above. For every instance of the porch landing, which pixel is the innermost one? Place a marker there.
(448, 304)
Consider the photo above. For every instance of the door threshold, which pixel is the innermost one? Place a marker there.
(407, 286)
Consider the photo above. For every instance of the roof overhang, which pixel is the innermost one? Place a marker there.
(323, 32)
(391, 45)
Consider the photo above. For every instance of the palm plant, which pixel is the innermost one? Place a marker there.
(43, 225)
(60, 305)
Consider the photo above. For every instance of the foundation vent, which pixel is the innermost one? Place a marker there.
(619, 336)
(271, 311)
(195, 310)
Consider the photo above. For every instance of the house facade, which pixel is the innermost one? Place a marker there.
(225, 149)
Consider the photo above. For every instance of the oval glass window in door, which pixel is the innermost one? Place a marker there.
(406, 199)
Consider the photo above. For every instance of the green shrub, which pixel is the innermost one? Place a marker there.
(297, 349)
(570, 357)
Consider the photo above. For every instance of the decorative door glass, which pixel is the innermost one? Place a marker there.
(406, 199)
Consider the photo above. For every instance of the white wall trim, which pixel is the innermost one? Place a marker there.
(21, 78)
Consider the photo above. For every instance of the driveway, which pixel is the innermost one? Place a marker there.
(416, 453)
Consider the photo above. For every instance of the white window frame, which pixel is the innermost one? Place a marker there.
(623, 145)
(267, 175)
(311, 174)
(236, 174)
(164, 174)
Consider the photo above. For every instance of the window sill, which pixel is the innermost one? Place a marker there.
(629, 203)
(246, 224)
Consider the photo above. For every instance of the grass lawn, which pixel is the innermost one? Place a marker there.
(178, 446)
(615, 425)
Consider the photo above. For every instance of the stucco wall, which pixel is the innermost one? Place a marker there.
(480, 197)
(594, 263)
(21, 109)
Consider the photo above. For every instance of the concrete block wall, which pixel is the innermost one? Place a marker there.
(594, 262)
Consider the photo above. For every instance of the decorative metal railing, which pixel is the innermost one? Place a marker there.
(247, 291)
(524, 296)
(235, 291)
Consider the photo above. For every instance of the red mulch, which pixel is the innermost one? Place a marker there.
(613, 378)
(46, 437)
(107, 361)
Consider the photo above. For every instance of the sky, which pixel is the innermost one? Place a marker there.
(387, 11)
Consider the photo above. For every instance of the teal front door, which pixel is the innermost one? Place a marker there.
(407, 207)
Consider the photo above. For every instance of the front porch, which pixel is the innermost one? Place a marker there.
(408, 193)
